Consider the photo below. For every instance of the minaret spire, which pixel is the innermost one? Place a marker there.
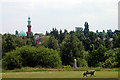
(29, 22)
(29, 33)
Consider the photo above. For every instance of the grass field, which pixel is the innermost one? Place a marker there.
(59, 74)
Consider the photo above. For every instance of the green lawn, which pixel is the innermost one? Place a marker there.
(59, 74)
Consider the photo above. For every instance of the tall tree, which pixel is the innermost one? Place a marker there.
(54, 33)
(53, 43)
(97, 56)
(71, 48)
(86, 30)
(8, 43)
(60, 37)
(108, 43)
(116, 40)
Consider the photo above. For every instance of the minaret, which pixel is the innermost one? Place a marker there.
(29, 33)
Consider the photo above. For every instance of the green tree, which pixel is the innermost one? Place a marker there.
(31, 57)
(90, 39)
(33, 42)
(54, 33)
(60, 37)
(108, 43)
(71, 48)
(86, 29)
(116, 40)
(92, 36)
(82, 62)
(8, 43)
(97, 56)
(86, 43)
(12, 60)
(80, 36)
(47, 58)
(52, 43)
(101, 42)
(28, 41)
(113, 55)
(26, 52)
(44, 41)
(19, 42)
(101, 35)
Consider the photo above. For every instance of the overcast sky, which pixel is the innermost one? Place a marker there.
(60, 14)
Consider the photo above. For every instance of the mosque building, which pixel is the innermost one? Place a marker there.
(29, 33)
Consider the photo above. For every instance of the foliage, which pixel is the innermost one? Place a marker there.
(108, 64)
(52, 43)
(12, 60)
(113, 56)
(19, 42)
(31, 56)
(68, 66)
(116, 40)
(71, 48)
(47, 57)
(89, 48)
(8, 43)
(11, 42)
(96, 56)
(108, 43)
(26, 52)
(45, 40)
(82, 62)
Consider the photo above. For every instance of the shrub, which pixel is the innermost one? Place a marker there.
(47, 57)
(68, 66)
(114, 64)
(82, 62)
(27, 52)
(114, 56)
(101, 64)
(12, 60)
(108, 64)
(31, 57)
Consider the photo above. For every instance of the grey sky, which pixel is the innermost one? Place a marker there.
(62, 14)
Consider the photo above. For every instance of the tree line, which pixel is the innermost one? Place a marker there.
(89, 48)
(61, 48)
